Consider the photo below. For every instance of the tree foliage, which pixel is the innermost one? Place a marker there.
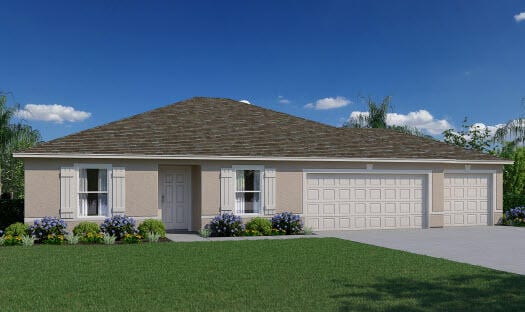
(376, 117)
(513, 175)
(14, 136)
(470, 137)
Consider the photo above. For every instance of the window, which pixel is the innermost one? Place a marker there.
(93, 192)
(247, 191)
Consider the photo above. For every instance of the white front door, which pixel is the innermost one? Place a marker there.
(175, 198)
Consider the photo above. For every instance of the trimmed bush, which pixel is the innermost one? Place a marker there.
(49, 230)
(119, 226)
(152, 225)
(11, 211)
(287, 222)
(261, 225)
(17, 229)
(85, 227)
(226, 225)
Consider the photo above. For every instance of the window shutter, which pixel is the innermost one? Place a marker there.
(269, 191)
(68, 193)
(227, 190)
(118, 196)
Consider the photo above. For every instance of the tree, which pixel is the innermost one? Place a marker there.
(513, 175)
(14, 136)
(470, 137)
(513, 131)
(376, 117)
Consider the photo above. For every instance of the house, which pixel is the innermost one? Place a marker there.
(187, 162)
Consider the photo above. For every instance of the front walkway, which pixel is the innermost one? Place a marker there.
(496, 247)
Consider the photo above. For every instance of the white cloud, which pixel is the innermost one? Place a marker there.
(482, 127)
(245, 101)
(281, 99)
(329, 103)
(421, 119)
(520, 17)
(53, 113)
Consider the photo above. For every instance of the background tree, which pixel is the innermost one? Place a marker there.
(513, 131)
(513, 175)
(14, 136)
(470, 137)
(376, 117)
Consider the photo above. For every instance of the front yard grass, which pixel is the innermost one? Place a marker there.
(310, 274)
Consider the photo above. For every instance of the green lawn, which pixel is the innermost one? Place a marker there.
(268, 275)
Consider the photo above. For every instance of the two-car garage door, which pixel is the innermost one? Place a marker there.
(356, 201)
(344, 201)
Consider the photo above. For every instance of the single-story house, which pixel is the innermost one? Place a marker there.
(187, 162)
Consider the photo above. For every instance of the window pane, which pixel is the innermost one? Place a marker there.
(248, 180)
(96, 204)
(92, 180)
(248, 202)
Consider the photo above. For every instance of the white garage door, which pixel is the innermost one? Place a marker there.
(349, 201)
(467, 199)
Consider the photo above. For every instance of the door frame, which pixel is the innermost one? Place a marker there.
(492, 190)
(427, 210)
(162, 172)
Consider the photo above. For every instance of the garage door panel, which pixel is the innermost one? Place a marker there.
(466, 199)
(361, 201)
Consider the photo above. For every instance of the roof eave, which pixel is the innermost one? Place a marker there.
(262, 158)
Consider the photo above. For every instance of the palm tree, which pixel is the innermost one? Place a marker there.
(513, 131)
(13, 136)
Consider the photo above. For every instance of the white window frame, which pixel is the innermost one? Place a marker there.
(108, 169)
(261, 192)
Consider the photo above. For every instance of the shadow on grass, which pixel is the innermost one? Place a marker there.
(474, 292)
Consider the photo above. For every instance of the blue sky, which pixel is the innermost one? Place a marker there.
(112, 59)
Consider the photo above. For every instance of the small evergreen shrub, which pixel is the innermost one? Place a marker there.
(109, 239)
(49, 230)
(72, 239)
(27, 240)
(17, 229)
(205, 232)
(308, 231)
(153, 237)
(85, 227)
(119, 226)
(260, 225)
(226, 225)
(152, 225)
(288, 222)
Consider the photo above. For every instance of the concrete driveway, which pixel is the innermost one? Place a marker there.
(496, 247)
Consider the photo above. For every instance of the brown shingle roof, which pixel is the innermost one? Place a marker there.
(222, 127)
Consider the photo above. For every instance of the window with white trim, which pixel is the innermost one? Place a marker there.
(93, 192)
(248, 190)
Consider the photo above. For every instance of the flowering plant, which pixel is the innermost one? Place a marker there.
(9, 240)
(119, 226)
(226, 225)
(133, 238)
(49, 230)
(287, 222)
(515, 216)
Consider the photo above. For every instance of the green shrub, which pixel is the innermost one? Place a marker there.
(11, 211)
(17, 229)
(152, 225)
(205, 232)
(109, 239)
(72, 239)
(513, 200)
(261, 225)
(28, 240)
(85, 227)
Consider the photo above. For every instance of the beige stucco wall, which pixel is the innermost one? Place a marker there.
(42, 186)
(43, 189)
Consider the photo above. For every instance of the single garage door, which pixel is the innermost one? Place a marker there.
(349, 201)
(467, 199)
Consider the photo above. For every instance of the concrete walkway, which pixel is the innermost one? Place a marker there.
(496, 247)
(193, 237)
